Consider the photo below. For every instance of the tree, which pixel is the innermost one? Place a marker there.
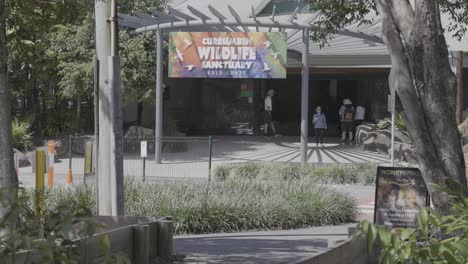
(413, 33)
(8, 179)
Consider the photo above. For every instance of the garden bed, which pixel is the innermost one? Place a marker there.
(230, 206)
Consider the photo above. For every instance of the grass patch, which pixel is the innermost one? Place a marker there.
(228, 206)
(362, 174)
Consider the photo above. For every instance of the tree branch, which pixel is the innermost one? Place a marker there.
(403, 14)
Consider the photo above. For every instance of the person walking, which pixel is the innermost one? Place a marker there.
(347, 118)
(268, 113)
(320, 125)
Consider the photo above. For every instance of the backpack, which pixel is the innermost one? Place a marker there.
(348, 114)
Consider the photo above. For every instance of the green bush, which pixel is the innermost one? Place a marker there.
(400, 122)
(22, 137)
(230, 206)
(438, 239)
(363, 174)
(46, 235)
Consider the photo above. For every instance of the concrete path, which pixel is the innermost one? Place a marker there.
(193, 163)
(269, 247)
(273, 246)
(365, 198)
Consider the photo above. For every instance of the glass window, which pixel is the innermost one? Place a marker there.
(285, 7)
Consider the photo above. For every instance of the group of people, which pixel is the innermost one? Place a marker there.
(349, 116)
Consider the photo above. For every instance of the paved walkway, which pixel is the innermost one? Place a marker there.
(269, 247)
(193, 163)
(273, 246)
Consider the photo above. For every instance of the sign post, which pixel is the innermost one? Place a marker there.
(391, 108)
(144, 155)
(400, 194)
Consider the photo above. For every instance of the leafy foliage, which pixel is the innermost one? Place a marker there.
(201, 207)
(333, 174)
(438, 239)
(400, 122)
(336, 15)
(48, 236)
(50, 61)
(21, 135)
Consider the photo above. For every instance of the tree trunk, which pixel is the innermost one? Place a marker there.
(426, 87)
(78, 115)
(139, 113)
(459, 70)
(8, 179)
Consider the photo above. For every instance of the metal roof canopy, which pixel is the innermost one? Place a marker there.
(177, 20)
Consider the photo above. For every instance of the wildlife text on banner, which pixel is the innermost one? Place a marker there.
(258, 55)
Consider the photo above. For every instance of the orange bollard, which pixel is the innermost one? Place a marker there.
(50, 180)
(69, 177)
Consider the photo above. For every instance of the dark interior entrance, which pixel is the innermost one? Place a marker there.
(236, 106)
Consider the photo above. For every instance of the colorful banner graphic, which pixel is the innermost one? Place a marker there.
(258, 55)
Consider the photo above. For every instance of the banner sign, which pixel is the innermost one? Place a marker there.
(227, 55)
(400, 194)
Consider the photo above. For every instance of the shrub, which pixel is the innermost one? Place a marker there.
(230, 206)
(22, 137)
(222, 172)
(400, 122)
(246, 170)
(438, 239)
(332, 174)
(46, 234)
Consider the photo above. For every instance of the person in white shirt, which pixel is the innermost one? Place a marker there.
(359, 116)
(347, 118)
(268, 112)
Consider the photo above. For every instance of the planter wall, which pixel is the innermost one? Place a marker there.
(351, 251)
(140, 239)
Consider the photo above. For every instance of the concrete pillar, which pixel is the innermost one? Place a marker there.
(305, 96)
(102, 13)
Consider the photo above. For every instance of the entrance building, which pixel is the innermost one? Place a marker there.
(355, 65)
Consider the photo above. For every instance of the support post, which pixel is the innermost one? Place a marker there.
(159, 95)
(116, 138)
(392, 82)
(96, 129)
(305, 96)
(459, 75)
(102, 13)
(210, 151)
(393, 131)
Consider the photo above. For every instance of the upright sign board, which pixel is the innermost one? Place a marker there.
(144, 149)
(400, 194)
(259, 55)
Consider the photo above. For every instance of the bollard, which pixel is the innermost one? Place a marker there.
(88, 166)
(51, 150)
(40, 168)
(69, 173)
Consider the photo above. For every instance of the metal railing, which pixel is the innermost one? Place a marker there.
(182, 158)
